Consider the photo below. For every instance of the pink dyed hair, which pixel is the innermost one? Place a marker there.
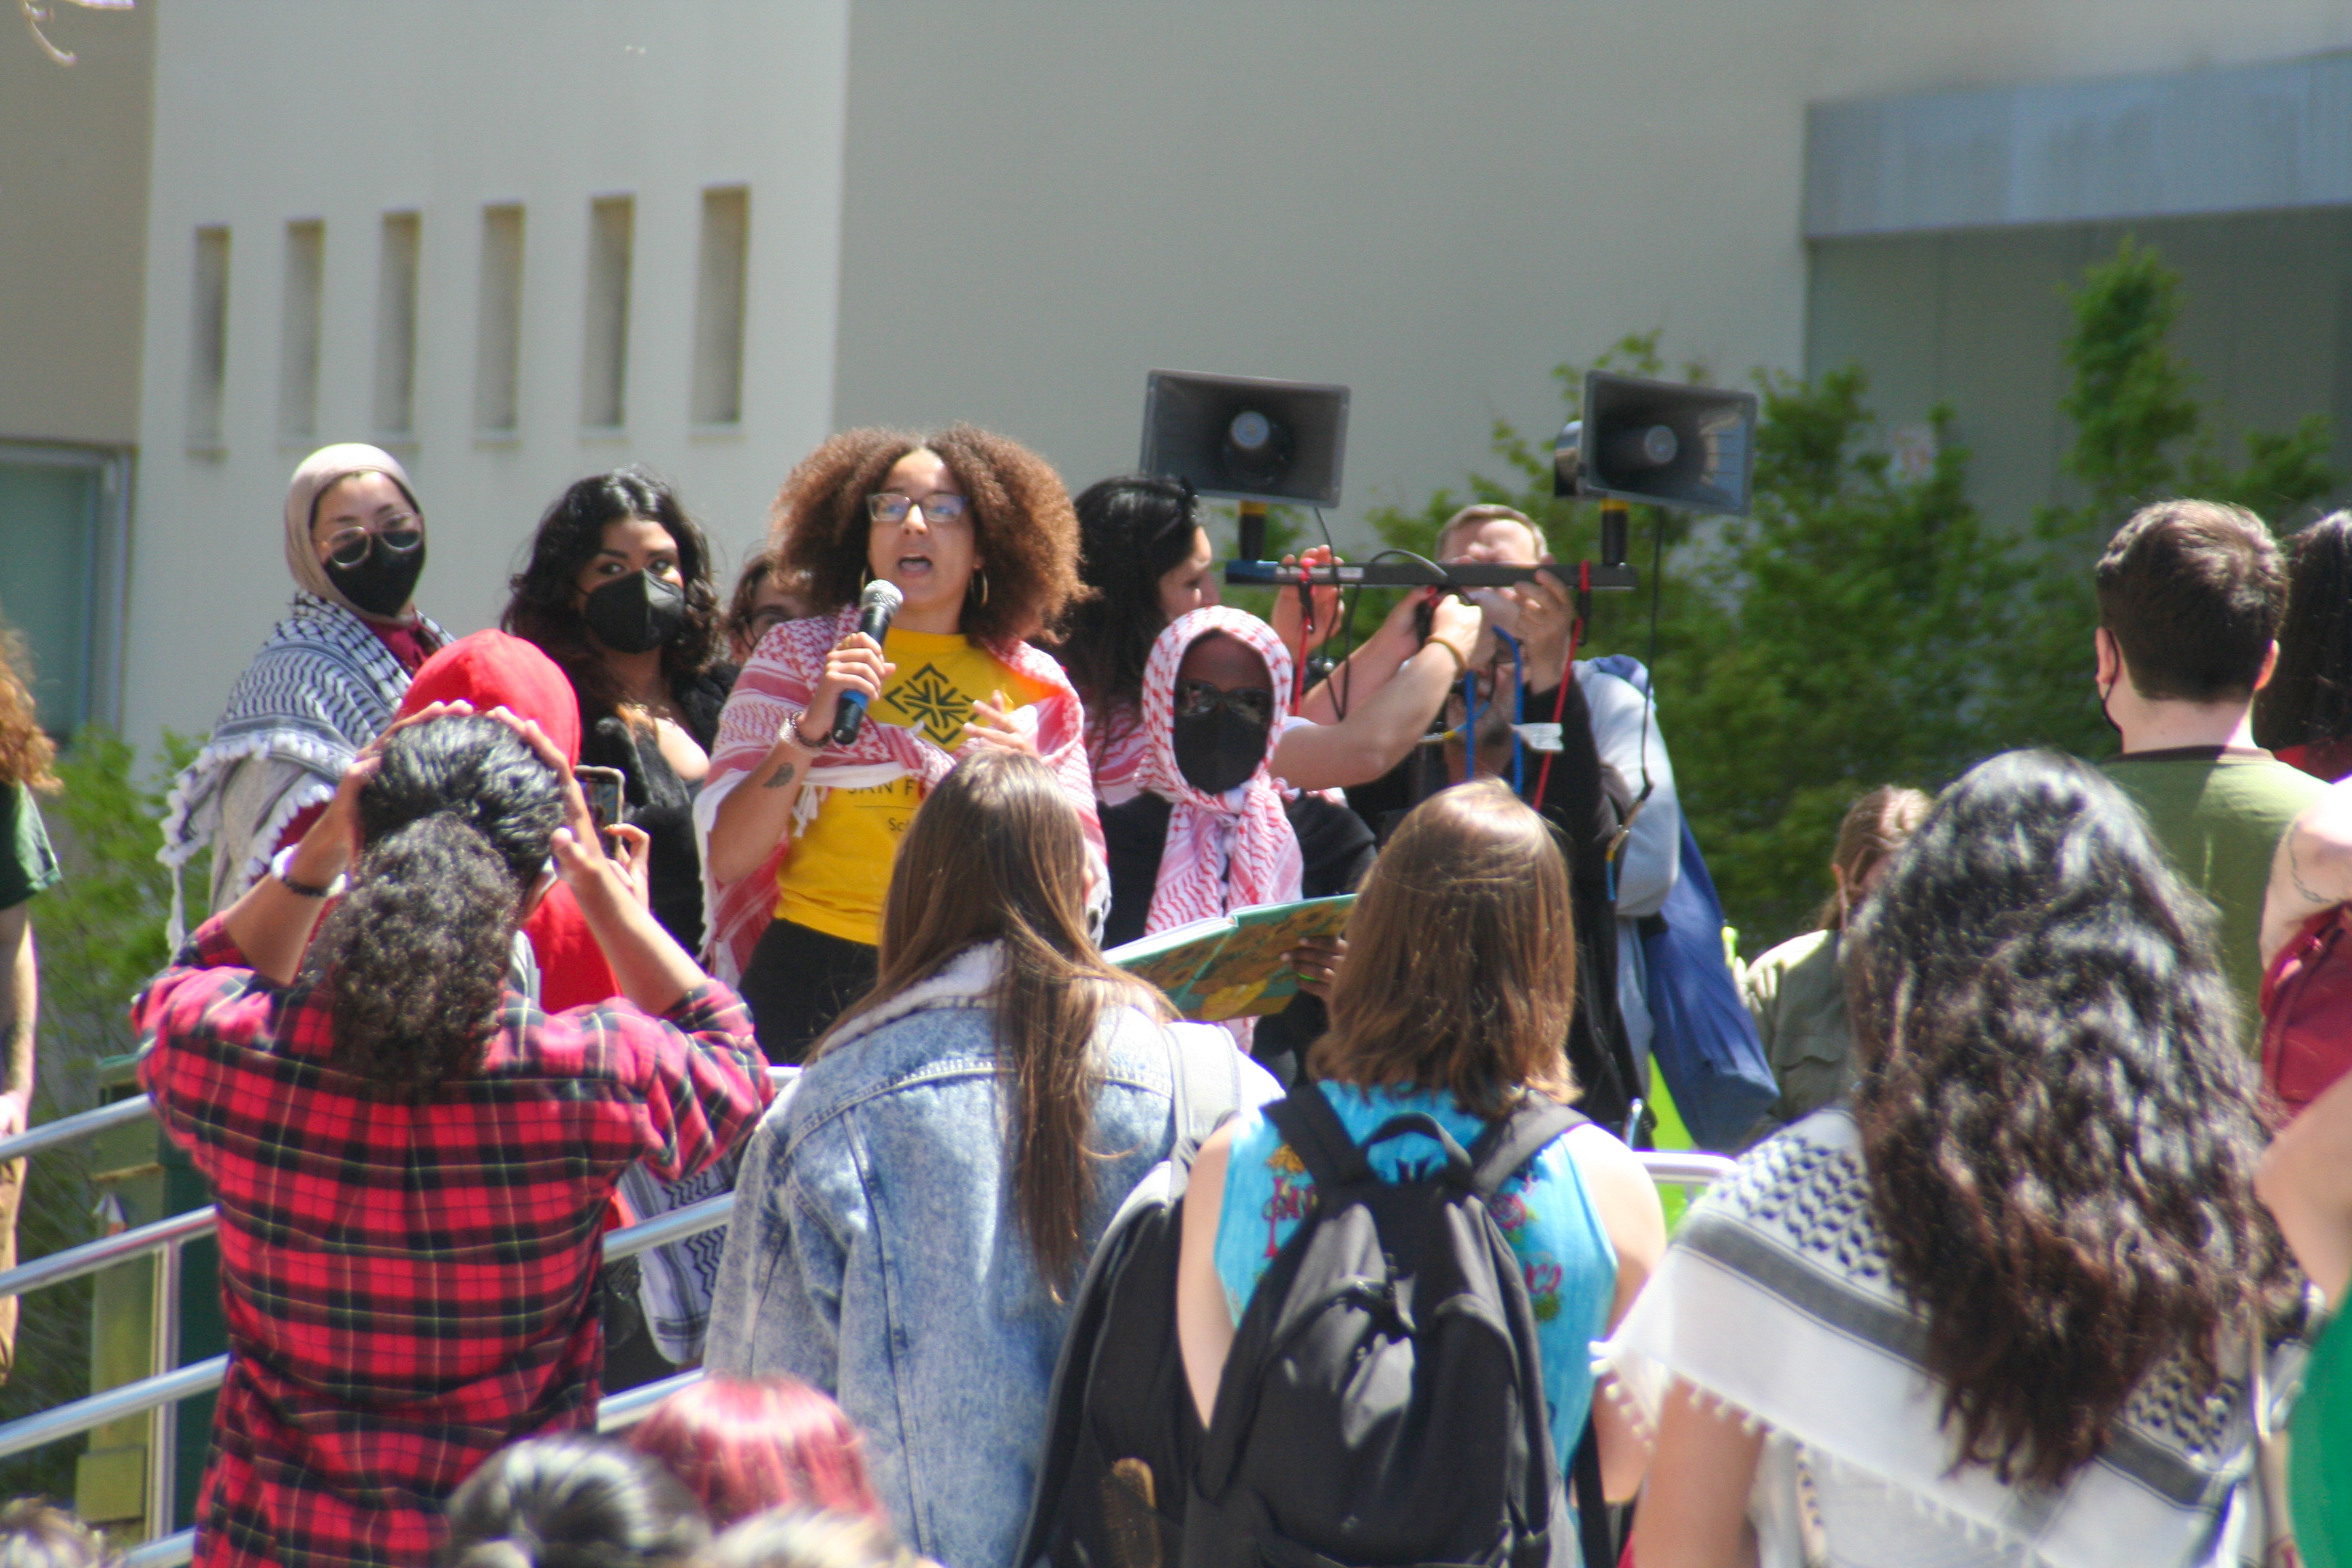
(744, 1445)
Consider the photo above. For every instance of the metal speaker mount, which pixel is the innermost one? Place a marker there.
(1690, 448)
(1245, 437)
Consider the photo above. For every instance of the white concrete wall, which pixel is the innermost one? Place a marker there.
(341, 109)
(1434, 203)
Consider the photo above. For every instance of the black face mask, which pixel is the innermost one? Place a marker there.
(1217, 750)
(635, 614)
(382, 583)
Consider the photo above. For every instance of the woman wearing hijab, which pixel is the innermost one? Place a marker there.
(329, 677)
(1212, 831)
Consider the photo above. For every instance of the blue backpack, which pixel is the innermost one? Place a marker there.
(1705, 1041)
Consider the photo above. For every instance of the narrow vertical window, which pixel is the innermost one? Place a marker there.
(719, 306)
(498, 356)
(604, 343)
(298, 329)
(396, 326)
(209, 338)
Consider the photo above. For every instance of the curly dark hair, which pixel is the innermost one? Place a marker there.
(2309, 698)
(1023, 527)
(541, 607)
(25, 750)
(2060, 1128)
(455, 822)
(1132, 532)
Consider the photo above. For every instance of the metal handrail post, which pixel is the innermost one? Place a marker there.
(162, 1440)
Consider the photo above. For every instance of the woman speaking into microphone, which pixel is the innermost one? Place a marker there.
(977, 535)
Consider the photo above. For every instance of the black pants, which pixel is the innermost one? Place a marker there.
(797, 983)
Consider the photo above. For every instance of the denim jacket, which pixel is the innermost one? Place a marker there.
(876, 1252)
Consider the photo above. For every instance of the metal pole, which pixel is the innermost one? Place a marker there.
(163, 1443)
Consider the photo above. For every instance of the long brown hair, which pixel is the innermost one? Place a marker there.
(996, 855)
(1461, 970)
(1876, 826)
(25, 751)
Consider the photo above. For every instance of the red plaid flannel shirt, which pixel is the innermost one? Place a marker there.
(411, 1287)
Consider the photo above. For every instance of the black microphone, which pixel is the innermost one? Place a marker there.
(875, 607)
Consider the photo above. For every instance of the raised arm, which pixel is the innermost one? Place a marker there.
(1379, 731)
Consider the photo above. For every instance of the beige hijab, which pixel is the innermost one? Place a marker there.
(319, 470)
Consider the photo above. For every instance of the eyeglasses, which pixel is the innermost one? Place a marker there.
(1198, 698)
(940, 506)
(399, 535)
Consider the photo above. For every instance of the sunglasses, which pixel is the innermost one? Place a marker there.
(1198, 698)
(397, 536)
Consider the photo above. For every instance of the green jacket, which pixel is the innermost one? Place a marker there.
(1798, 996)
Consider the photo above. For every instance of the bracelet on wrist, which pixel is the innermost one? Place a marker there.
(281, 867)
(1461, 665)
(793, 733)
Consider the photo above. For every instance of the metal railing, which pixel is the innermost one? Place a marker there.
(159, 1394)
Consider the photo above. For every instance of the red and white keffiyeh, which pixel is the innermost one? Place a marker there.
(775, 689)
(1224, 852)
(1114, 741)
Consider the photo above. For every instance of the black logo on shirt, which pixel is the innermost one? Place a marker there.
(930, 699)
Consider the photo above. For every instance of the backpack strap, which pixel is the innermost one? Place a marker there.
(1205, 1084)
(1317, 1135)
(1509, 1144)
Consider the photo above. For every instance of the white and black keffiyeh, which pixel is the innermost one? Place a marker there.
(322, 686)
(1774, 1300)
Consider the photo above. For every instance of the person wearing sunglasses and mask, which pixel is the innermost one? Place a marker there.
(617, 592)
(977, 534)
(1213, 829)
(328, 678)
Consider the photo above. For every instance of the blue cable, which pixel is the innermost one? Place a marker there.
(1520, 709)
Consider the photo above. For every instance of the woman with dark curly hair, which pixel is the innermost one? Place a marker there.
(2304, 714)
(617, 592)
(412, 1161)
(976, 532)
(2006, 1307)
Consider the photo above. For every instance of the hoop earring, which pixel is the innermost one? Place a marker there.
(980, 575)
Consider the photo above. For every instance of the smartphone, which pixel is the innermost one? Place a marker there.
(604, 787)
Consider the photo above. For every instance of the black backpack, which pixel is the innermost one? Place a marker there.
(1121, 1431)
(1384, 1402)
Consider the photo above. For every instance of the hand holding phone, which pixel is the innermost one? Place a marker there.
(604, 788)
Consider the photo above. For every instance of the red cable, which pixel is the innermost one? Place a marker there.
(1560, 698)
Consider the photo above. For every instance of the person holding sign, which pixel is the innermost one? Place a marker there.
(1214, 830)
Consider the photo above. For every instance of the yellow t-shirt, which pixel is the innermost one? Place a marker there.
(833, 880)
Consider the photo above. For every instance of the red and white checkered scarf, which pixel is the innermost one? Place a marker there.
(774, 690)
(1224, 852)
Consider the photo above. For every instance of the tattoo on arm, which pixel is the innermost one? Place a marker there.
(2294, 875)
(786, 774)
